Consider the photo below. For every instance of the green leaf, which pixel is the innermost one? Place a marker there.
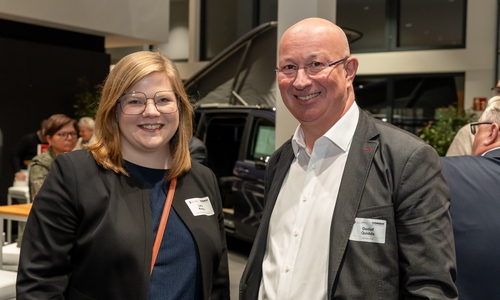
(440, 132)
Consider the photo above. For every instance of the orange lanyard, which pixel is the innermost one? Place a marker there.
(163, 221)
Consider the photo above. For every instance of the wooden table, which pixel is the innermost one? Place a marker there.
(17, 212)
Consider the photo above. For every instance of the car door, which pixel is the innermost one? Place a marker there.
(249, 171)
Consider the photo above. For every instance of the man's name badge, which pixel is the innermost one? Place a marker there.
(200, 206)
(368, 230)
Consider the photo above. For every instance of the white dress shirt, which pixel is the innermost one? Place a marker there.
(295, 264)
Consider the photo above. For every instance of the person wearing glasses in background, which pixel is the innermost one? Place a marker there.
(462, 141)
(355, 208)
(60, 134)
(474, 184)
(130, 216)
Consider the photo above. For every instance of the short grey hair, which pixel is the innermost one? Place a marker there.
(492, 112)
(87, 122)
(493, 99)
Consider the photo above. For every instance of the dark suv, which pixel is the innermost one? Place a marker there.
(239, 141)
(236, 94)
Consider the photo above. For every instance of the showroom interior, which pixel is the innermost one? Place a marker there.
(82, 40)
(52, 51)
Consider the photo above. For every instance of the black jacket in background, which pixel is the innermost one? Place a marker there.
(25, 149)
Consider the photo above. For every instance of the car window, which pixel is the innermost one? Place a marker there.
(262, 143)
(223, 139)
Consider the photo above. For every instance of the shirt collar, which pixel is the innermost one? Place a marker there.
(340, 133)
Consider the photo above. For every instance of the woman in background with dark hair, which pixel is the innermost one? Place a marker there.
(60, 134)
(131, 216)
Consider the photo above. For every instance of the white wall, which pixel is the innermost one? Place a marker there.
(144, 19)
(477, 60)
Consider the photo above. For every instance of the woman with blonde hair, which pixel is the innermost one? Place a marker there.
(131, 216)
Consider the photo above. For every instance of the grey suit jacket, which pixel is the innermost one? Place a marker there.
(89, 234)
(392, 175)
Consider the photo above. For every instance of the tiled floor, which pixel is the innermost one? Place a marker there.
(237, 253)
(236, 266)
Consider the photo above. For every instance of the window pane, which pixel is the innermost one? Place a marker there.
(408, 101)
(371, 94)
(431, 23)
(224, 21)
(219, 30)
(366, 17)
(223, 140)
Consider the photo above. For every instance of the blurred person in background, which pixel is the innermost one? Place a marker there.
(475, 207)
(60, 134)
(25, 150)
(462, 141)
(198, 150)
(86, 132)
(130, 216)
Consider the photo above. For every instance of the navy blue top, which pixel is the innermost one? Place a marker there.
(176, 274)
(474, 209)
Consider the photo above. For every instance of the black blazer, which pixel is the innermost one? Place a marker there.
(89, 234)
(392, 175)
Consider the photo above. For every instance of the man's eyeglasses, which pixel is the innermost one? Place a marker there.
(134, 103)
(66, 135)
(473, 126)
(311, 69)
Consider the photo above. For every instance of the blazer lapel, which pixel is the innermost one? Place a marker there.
(276, 173)
(364, 145)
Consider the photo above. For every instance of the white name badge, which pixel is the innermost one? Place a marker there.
(368, 230)
(200, 206)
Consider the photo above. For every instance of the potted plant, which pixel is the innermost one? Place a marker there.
(87, 100)
(440, 132)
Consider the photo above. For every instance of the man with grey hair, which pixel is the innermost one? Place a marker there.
(462, 142)
(86, 132)
(475, 207)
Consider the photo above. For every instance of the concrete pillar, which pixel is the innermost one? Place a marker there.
(290, 12)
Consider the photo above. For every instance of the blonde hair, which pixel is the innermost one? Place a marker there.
(131, 69)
